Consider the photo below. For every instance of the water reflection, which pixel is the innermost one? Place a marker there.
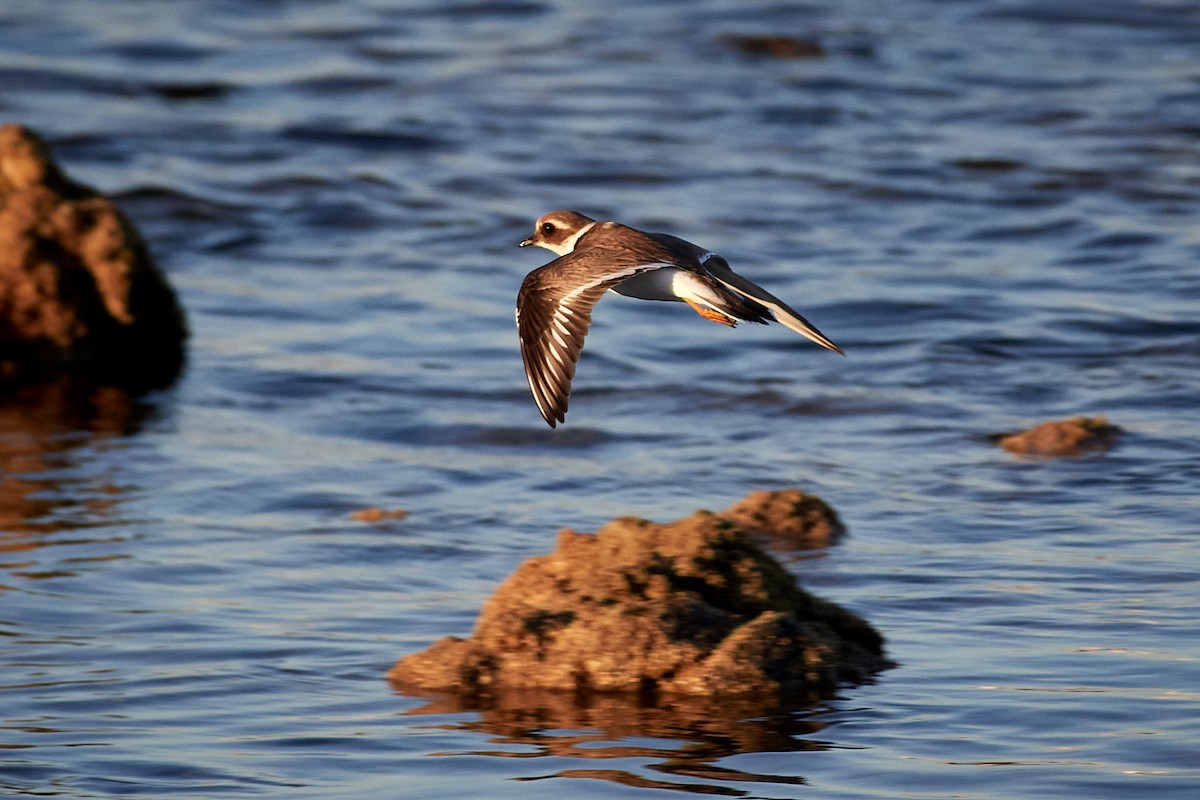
(43, 429)
(675, 737)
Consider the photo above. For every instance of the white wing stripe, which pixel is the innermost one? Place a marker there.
(565, 302)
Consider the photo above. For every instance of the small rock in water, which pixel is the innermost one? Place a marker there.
(376, 514)
(1067, 437)
(692, 607)
(776, 46)
(78, 291)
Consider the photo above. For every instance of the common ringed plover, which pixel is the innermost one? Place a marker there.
(554, 306)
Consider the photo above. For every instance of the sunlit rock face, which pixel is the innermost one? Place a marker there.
(78, 291)
(692, 607)
(1064, 437)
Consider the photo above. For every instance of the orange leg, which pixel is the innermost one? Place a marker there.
(711, 315)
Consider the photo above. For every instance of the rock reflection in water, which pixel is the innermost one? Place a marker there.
(42, 429)
(676, 736)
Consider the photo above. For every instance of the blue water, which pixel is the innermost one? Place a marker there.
(992, 206)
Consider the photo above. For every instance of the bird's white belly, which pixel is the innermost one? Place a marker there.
(657, 284)
(670, 283)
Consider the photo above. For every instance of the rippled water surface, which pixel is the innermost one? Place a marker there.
(993, 206)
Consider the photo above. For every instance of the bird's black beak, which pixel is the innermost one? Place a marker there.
(525, 243)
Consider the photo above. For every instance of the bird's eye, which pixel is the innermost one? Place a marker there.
(547, 228)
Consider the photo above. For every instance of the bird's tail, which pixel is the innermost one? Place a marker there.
(782, 312)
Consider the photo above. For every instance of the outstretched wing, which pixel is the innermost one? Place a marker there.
(554, 312)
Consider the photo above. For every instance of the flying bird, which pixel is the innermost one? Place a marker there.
(554, 305)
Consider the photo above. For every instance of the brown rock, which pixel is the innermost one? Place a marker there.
(376, 515)
(693, 607)
(776, 46)
(787, 520)
(1067, 437)
(78, 291)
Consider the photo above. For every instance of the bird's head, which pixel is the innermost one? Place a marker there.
(558, 231)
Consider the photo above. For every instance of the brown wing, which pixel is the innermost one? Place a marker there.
(554, 312)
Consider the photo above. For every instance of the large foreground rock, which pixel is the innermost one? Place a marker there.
(78, 291)
(693, 607)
